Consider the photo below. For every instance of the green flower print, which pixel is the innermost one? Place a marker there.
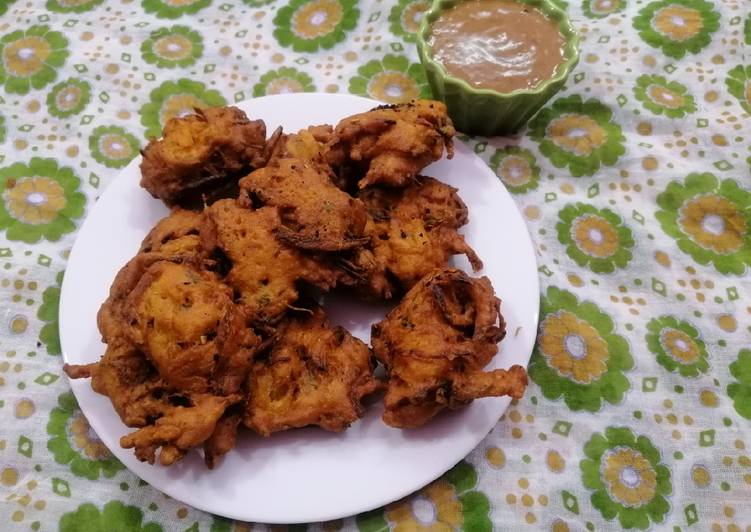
(49, 312)
(176, 98)
(405, 18)
(578, 354)
(72, 442)
(677, 26)
(747, 30)
(258, 3)
(2, 129)
(664, 97)
(72, 6)
(739, 85)
(29, 58)
(562, 4)
(602, 8)
(174, 8)
(392, 80)
(627, 477)
(283, 80)
(710, 220)
(677, 345)
(39, 200)
(178, 46)
(310, 25)
(578, 134)
(456, 505)
(740, 392)
(5, 5)
(68, 98)
(596, 238)
(112, 146)
(88, 518)
(517, 168)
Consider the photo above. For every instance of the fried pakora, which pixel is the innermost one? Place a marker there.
(314, 213)
(413, 231)
(263, 271)
(203, 155)
(313, 374)
(391, 144)
(435, 344)
(175, 234)
(309, 144)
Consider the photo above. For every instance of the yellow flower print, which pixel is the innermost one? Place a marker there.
(714, 222)
(178, 106)
(174, 47)
(577, 134)
(677, 22)
(34, 200)
(514, 170)
(595, 236)
(393, 87)
(85, 440)
(434, 509)
(630, 478)
(284, 86)
(115, 146)
(680, 346)
(179, 3)
(412, 16)
(317, 18)
(665, 97)
(573, 347)
(25, 57)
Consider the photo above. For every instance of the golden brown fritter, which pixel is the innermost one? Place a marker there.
(263, 271)
(315, 214)
(175, 234)
(180, 316)
(389, 145)
(413, 231)
(314, 374)
(179, 429)
(178, 354)
(435, 345)
(202, 153)
(308, 144)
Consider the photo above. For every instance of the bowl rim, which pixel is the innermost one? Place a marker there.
(571, 49)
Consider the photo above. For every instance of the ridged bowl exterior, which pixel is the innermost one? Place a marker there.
(487, 112)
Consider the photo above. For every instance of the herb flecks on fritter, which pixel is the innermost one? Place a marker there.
(391, 144)
(313, 374)
(314, 214)
(264, 272)
(413, 231)
(202, 155)
(435, 344)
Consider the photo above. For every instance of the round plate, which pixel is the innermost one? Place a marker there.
(307, 475)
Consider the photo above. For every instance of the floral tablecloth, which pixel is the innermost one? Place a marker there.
(634, 182)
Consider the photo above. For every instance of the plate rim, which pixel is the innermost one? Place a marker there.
(67, 293)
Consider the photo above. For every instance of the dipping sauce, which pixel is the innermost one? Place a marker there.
(497, 44)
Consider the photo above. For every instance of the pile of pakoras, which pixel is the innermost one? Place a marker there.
(215, 322)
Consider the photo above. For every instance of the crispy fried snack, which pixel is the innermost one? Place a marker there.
(262, 270)
(201, 154)
(413, 231)
(178, 350)
(315, 214)
(314, 374)
(390, 144)
(308, 144)
(435, 345)
(175, 234)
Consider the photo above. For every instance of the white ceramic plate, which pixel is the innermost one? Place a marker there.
(307, 475)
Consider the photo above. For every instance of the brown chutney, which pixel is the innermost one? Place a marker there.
(497, 44)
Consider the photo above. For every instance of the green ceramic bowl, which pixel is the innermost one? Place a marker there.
(484, 111)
